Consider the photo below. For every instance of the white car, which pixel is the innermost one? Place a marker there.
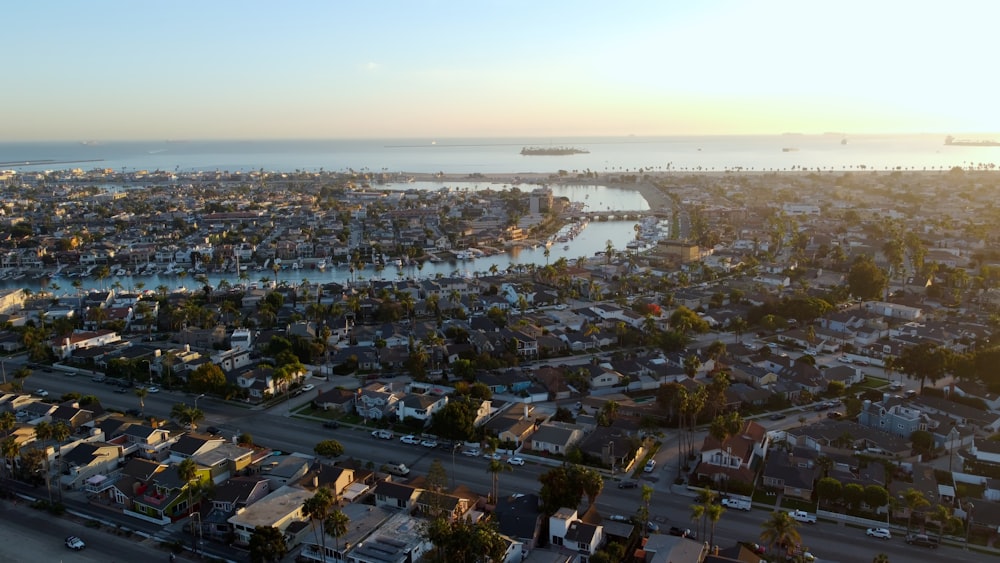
(308, 387)
(153, 390)
(881, 533)
(382, 434)
(429, 443)
(41, 393)
(75, 543)
(516, 460)
(650, 466)
(493, 456)
(471, 453)
(410, 439)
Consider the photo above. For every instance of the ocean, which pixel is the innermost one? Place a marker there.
(832, 151)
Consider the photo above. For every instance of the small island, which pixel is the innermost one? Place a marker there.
(552, 151)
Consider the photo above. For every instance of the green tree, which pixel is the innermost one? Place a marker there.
(913, 500)
(337, 524)
(186, 415)
(495, 468)
(923, 441)
(924, 361)
(780, 529)
(267, 545)
(207, 378)
(329, 448)
(828, 489)
(317, 508)
(141, 393)
(876, 496)
(865, 279)
(853, 494)
(462, 541)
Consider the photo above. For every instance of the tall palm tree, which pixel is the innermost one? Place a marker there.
(495, 468)
(913, 500)
(713, 513)
(187, 470)
(317, 508)
(9, 450)
(337, 525)
(780, 530)
(141, 393)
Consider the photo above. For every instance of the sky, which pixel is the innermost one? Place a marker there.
(122, 70)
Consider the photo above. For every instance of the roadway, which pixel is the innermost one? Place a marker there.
(275, 428)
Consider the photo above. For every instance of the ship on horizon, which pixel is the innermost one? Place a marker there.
(949, 140)
(552, 151)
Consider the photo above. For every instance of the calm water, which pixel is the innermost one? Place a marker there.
(607, 154)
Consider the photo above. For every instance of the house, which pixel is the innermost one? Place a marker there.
(336, 400)
(63, 347)
(230, 496)
(88, 459)
(279, 509)
(520, 518)
(420, 407)
(395, 495)
(365, 520)
(892, 415)
(555, 437)
(377, 400)
(793, 475)
(333, 477)
(153, 491)
(568, 532)
(146, 441)
(737, 457)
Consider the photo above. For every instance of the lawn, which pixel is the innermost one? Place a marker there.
(871, 382)
(788, 503)
(764, 497)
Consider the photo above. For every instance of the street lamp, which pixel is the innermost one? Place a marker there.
(196, 400)
(968, 522)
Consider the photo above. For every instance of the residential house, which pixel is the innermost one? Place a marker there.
(892, 415)
(232, 495)
(737, 457)
(793, 473)
(63, 347)
(571, 534)
(396, 495)
(420, 407)
(555, 437)
(88, 459)
(280, 509)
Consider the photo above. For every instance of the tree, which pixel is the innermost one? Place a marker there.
(329, 448)
(865, 279)
(828, 489)
(923, 441)
(494, 468)
(876, 496)
(267, 544)
(187, 416)
(924, 361)
(141, 393)
(317, 508)
(881, 558)
(207, 378)
(724, 426)
(337, 525)
(780, 530)
(462, 541)
(565, 485)
(853, 494)
(946, 519)
(913, 500)
(685, 321)
(713, 513)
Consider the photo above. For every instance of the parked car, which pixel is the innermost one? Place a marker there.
(682, 532)
(308, 387)
(120, 390)
(652, 526)
(472, 452)
(382, 434)
(922, 540)
(397, 468)
(213, 430)
(493, 456)
(650, 466)
(516, 460)
(429, 443)
(881, 533)
(75, 543)
(133, 412)
(618, 518)
(628, 484)
(153, 390)
(410, 439)
(41, 393)
(331, 424)
(777, 416)
(835, 414)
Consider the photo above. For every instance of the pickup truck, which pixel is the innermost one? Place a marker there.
(803, 516)
(736, 503)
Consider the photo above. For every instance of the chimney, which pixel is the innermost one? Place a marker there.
(525, 410)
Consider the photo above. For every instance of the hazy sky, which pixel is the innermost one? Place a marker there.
(80, 70)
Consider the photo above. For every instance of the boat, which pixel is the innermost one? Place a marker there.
(566, 247)
(952, 141)
(552, 151)
(789, 149)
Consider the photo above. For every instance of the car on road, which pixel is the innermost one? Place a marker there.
(120, 390)
(493, 456)
(803, 516)
(922, 540)
(650, 466)
(516, 460)
(682, 532)
(628, 484)
(835, 414)
(777, 416)
(881, 533)
(736, 503)
(213, 430)
(652, 526)
(382, 434)
(331, 424)
(397, 468)
(618, 518)
(41, 393)
(429, 443)
(75, 543)
(473, 452)
(153, 390)
(308, 387)
(410, 439)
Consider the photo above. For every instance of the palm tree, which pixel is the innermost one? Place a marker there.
(187, 470)
(913, 499)
(317, 508)
(713, 513)
(337, 524)
(495, 468)
(141, 393)
(188, 416)
(881, 558)
(780, 530)
(9, 450)
(697, 515)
